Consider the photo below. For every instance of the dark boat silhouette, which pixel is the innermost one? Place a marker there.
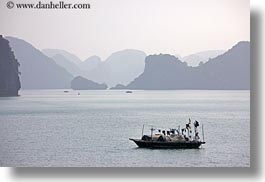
(168, 144)
(172, 139)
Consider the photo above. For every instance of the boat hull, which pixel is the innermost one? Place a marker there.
(168, 145)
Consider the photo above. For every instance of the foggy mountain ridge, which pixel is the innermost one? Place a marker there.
(125, 66)
(90, 63)
(95, 69)
(203, 56)
(66, 64)
(133, 69)
(120, 67)
(69, 56)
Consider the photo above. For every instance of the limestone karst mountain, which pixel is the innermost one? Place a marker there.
(230, 70)
(9, 73)
(37, 70)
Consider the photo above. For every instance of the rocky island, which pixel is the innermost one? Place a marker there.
(80, 83)
(9, 74)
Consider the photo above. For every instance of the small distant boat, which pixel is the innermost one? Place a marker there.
(66, 91)
(128, 92)
(172, 138)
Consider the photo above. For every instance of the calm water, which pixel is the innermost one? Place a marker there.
(53, 128)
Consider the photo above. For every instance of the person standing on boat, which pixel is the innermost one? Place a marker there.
(188, 127)
(196, 124)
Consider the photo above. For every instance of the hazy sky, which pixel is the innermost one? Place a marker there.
(154, 26)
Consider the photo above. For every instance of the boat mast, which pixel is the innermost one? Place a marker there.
(152, 129)
(202, 133)
(143, 131)
(194, 131)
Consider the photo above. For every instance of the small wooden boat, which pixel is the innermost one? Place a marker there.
(172, 138)
(128, 92)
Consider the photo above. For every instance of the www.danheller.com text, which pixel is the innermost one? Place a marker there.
(47, 5)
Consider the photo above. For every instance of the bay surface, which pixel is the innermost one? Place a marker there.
(53, 128)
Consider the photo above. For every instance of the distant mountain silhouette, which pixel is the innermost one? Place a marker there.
(9, 79)
(125, 66)
(119, 68)
(66, 64)
(82, 69)
(230, 70)
(90, 63)
(37, 70)
(100, 74)
(80, 83)
(201, 57)
(69, 56)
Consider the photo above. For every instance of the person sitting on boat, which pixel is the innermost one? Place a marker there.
(183, 130)
(186, 138)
